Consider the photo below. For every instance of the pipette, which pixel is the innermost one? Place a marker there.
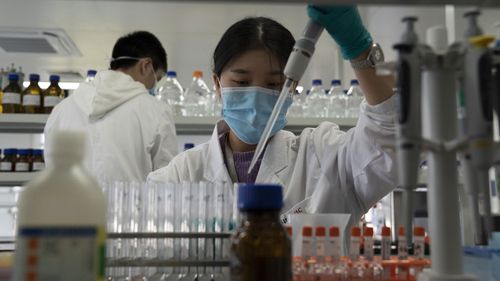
(294, 69)
(409, 127)
(477, 126)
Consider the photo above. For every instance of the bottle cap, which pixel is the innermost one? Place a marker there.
(401, 231)
(419, 231)
(320, 231)
(197, 73)
(260, 197)
(10, 151)
(356, 231)
(91, 73)
(336, 82)
(386, 231)
(54, 78)
(334, 231)
(13, 77)
(354, 82)
(368, 232)
(172, 74)
(317, 82)
(188, 146)
(307, 231)
(34, 77)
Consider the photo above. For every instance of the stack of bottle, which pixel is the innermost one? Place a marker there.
(21, 160)
(32, 99)
(197, 100)
(321, 256)
(332, 103)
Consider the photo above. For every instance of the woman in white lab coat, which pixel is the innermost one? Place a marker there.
(323, 170)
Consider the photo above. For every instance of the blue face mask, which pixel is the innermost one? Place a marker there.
(246, 111)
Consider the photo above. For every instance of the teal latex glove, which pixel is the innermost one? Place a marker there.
(345, 26)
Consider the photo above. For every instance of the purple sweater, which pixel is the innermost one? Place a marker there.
(242, 163)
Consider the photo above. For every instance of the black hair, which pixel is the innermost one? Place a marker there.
(250, 34)
(139, 44)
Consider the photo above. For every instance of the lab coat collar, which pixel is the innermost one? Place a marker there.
(274, 162)
(216, 170)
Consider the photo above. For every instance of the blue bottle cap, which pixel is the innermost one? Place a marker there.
(34, 77)
(188, 146)
(13, 77)
(37, 152)
(171, 74)
(91, 72)
(23, 152)
(336, 82)
(54, 78)
(260, 197)
(317, 82)
(10, 151)
(354, 82)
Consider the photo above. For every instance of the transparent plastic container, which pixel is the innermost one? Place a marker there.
(338, 106)
(196, 96)
(355, 97)
(169, 90)
(317, 100)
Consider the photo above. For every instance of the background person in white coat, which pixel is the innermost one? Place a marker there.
(323, 170)
(129, 132)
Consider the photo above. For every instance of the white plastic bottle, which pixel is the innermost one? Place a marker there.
(316, 100)
(338, 106)
(196, 96)
(355, 97)
(170, 91)
(62, 219)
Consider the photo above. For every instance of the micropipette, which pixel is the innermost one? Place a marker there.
(409, 127)
(294, 69)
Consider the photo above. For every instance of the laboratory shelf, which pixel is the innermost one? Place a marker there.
(22, 123)
(16, 179)
(34, 123)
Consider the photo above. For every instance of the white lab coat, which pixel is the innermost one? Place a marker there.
(323, 170)
(129, 132)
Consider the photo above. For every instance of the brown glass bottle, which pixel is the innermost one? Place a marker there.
(260, 248)
(8, 162)
(52, 95)
(23, 162)
(32, 96)
(37, 160)
(11, 100)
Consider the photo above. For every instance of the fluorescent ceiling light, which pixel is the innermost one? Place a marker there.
(63, 85)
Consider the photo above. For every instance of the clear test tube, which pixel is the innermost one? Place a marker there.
(193, 227)
(165, 208)
(203, 199)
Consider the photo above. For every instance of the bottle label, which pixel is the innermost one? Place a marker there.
(60, 253)
(320, 248)
(38, 166)
(51, 101)
(11, 98)
(33, 100)
(22, 167)
(6, 167)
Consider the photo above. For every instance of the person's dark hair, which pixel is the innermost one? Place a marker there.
(140, 44)
(250, 34)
